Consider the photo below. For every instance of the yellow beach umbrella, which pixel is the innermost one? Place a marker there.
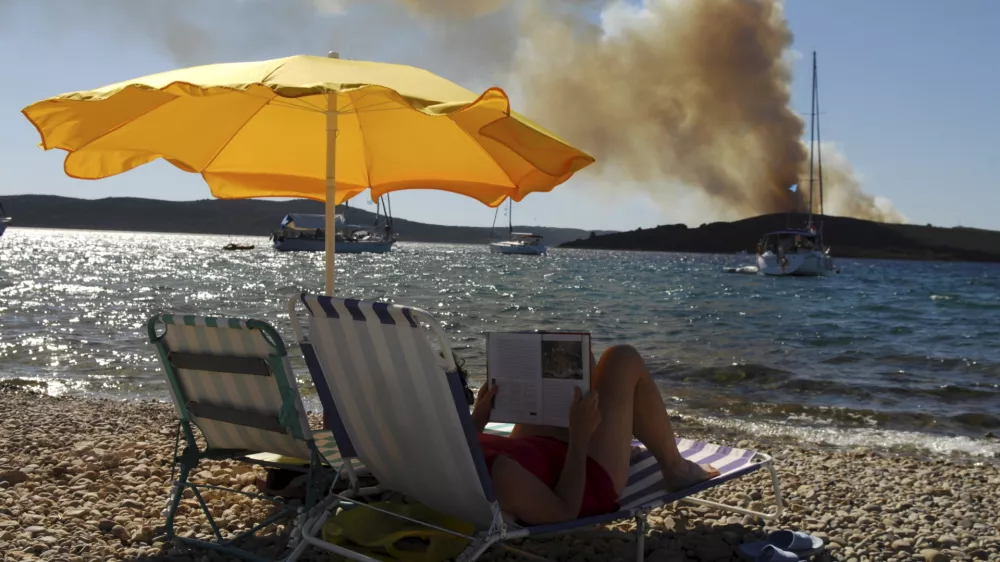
(320, 128)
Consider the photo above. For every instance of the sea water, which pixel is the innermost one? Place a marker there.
(891, 354)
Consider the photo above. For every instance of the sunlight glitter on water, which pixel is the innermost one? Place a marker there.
(908, 345)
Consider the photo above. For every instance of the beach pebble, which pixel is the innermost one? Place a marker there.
(119, 532)
(931, 555)
(902, 545)
(947, 540)
(13, 476)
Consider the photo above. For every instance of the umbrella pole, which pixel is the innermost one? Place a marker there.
(331, 186)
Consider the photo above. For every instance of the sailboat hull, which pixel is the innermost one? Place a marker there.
(515, 248)
(319, 245)
(799, 264)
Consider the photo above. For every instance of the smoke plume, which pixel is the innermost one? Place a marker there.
(677, 99)
(453, 9)
(683, 95)
(670, 97)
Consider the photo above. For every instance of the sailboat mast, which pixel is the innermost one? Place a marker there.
(819, 142)
(510, 218)
(812, 137)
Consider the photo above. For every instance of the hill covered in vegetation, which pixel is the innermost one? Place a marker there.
(847, 237)
(229, 217)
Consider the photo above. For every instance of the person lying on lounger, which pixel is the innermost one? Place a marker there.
(544, 474)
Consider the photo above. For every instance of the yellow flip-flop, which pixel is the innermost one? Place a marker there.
(384, 537)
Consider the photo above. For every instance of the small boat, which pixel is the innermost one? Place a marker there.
(800, 252)
(307, 233)
(234, 246)
(746, 269)
(524, 243)
(794, 252)
(4, 220)
(355, 239)
(300, 233)
(520, 243)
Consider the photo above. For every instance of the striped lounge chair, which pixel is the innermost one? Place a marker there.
(403, 413)
(231, 379)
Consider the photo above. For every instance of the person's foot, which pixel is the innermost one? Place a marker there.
(685, 474)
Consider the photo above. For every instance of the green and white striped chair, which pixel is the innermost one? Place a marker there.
(231, 379)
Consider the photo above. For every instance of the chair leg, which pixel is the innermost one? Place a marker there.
(299, 549)
(177, 491)
(318, 484)
(476, 549)
(206, 511)
(640, 537)
(779, 505)
(775, 488)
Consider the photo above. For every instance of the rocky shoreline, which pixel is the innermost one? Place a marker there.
(86, 479)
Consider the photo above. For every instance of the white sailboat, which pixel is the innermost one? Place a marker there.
(801, 252)
(307, 233)
(524, 243)
(4, 220)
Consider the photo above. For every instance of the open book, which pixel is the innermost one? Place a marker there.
(536, 373)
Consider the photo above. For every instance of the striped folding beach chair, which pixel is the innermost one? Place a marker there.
(401, 411)
(231, 379)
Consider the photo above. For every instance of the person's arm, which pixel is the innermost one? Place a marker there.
(525, 496)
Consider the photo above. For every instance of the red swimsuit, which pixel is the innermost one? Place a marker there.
(544, 457)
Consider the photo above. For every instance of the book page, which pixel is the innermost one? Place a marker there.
(514, 364)
(565, 365)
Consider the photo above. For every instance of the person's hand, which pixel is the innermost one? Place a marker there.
(584, 417)
(484, 403)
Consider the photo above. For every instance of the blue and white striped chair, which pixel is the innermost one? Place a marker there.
(397, 401)
(231, 379)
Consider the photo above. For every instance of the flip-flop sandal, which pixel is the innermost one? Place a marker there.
(802, 544)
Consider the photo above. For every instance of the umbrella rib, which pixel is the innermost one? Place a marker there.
(364, 144)
(354, 102)
(290, 105)
(315, 107)
(235, 133)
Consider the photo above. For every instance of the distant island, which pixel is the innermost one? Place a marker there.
(245, 217)
(851, 238)
(848, 238)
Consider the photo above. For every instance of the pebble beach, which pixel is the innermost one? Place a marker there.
(86, 479)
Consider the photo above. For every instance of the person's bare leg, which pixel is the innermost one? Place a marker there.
(631, 405)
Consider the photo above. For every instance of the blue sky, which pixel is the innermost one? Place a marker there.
(908, 89)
